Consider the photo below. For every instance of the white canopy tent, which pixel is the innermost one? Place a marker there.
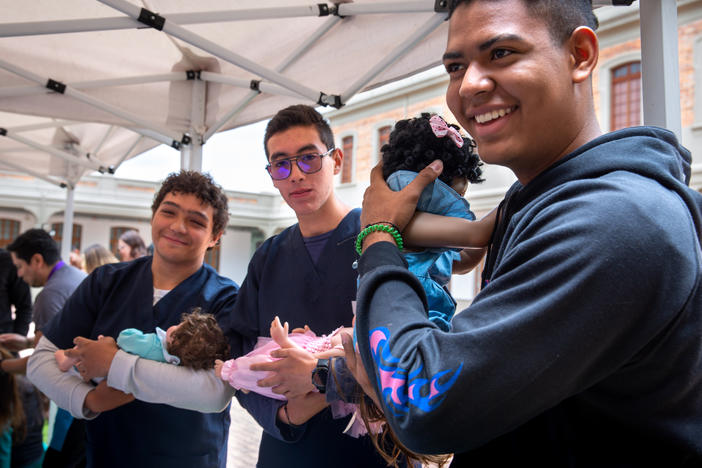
(86, 84)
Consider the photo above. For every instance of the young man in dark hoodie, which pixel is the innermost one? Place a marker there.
(584, 347)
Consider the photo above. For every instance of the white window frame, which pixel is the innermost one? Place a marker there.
(605, 85)
(354, 155)
(375, 148)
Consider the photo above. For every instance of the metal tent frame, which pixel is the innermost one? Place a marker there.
(659, 47)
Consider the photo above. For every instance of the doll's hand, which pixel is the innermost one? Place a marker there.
(301, 330)
(218, 368)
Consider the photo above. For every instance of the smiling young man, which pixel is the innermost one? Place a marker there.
(189, 216)
(584, 346)
(305, 276)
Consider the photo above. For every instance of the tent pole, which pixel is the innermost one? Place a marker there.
(289, 60)
(91, 164)
(104, 139)
(660, 75)
(434, 22)
(90, 84)
(43, 125)
(183, 34)
(166, 135)
(197, 123)
(34, 28)
(126, 154)
(185, 157)
(67, 231)
(416, 6)
(33, 174)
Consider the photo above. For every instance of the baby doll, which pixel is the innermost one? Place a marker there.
(413, 144)
(238, 374)
(196, 342)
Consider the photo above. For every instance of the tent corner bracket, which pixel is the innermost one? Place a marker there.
(441, 6)
(151, 19)
(333, 100)
(57, 86)
(255, 85)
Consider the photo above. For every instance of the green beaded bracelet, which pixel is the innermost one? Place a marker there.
(379, 227)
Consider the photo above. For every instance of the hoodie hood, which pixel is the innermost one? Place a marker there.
(650, 152)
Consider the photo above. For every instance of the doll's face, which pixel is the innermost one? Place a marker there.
(169, 333)
(460, 185)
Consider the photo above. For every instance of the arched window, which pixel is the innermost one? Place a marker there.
(626, 96)
(383, 138)
(347, 165)
(9, 231)
(76, 235)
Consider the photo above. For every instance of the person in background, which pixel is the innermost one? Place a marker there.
(96, 255)
(13, 293)
(75, 259)
(130, 246)
(36, 256)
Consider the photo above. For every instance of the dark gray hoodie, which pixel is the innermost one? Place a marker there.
(584, 347)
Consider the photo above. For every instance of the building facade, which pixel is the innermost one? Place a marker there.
(105, 206)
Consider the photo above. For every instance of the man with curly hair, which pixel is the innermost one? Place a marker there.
(189, 217)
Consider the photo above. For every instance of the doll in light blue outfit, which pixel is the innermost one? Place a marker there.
(413, 144)
(196, 342)
(147, 345)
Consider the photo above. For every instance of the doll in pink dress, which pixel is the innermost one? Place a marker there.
(238, 374)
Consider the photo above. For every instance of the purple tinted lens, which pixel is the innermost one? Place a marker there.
(309, 162)
(280, 169)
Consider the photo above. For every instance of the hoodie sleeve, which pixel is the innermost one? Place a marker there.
(576, 296)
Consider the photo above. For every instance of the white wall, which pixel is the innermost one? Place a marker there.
(235, 253)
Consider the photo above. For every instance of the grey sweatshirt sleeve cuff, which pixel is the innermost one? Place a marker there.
(65, 389)
(158, 382)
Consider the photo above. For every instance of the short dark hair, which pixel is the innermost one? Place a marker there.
(413, 145)
(203, 187)
(199, 341)
(35, 241)
(561, 16)
(299, 115)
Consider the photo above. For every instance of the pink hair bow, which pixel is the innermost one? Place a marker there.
(441, 129)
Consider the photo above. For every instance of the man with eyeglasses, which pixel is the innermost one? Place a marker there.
(305, 276)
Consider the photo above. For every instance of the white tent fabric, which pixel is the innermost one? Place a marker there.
(86, 84)
(195, 76)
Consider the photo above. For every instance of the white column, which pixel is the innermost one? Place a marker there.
(660, 77)
(67, 233)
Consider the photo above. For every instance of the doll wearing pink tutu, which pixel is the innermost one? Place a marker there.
(238, 374)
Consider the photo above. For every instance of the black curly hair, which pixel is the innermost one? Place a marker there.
(413, 145)
(203, 187)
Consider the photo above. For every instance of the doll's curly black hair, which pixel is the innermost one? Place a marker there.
(413, 145)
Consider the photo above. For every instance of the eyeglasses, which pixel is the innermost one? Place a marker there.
(309, 163)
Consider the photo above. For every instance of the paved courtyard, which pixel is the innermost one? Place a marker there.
(244, 437)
